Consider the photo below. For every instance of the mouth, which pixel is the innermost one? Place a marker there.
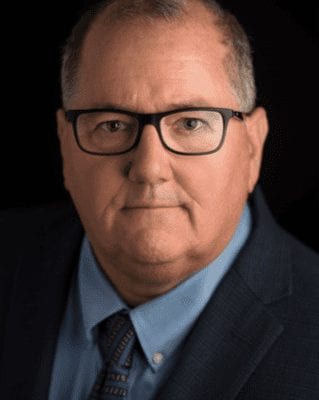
(147, 207)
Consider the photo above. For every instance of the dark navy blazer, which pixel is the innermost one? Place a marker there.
(257, 339)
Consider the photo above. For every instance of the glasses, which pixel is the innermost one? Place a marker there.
(189, 131)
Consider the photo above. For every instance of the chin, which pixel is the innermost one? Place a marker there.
(154, 248)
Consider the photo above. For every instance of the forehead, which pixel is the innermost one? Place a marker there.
(128, 59)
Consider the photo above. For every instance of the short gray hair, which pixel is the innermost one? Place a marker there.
(238, 63)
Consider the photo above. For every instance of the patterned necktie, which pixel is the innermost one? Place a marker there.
(116, 340)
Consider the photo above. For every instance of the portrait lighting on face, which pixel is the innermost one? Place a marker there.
(167, 128)
(163, 275)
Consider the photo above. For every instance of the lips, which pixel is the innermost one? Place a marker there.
(151, 200)
(150, 206)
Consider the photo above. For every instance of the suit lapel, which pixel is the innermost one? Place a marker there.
(236, 329)
(38, 305)
(231, 337)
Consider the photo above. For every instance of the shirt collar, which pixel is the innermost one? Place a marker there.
(98, 298)
(162, 323)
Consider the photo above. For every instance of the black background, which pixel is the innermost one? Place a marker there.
(285, 39)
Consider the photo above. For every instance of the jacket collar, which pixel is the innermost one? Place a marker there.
(265, 262)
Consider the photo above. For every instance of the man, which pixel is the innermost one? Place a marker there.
(169, 279)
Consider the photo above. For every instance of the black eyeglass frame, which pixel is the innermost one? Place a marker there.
(151, 119)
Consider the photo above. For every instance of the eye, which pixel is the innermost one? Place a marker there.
(191, 124)
(113, 126)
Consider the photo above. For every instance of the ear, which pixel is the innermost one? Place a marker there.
(62, 125)
(257, 130)
(63, 132)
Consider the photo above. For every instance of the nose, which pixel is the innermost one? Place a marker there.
(150, 161)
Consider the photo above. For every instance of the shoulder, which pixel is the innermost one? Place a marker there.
(282, 271)
(304, 266)
(297, 349)
(25, 227)
(305, 260)
(22, 232)
(284, 274)
(276, 244)
(302, 263)
(305, 281)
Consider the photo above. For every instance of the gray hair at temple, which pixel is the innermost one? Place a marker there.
(238, 62)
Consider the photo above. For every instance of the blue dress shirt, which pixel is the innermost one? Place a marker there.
(161, 324)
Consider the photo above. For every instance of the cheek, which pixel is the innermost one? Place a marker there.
(233, 183)
(219, 183)
(92, 182)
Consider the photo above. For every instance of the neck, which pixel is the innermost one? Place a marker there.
(142, 282)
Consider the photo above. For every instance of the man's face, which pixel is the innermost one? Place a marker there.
(151, 215)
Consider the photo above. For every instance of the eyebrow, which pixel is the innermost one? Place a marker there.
(171, 106)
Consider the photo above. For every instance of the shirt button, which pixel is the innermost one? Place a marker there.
(158, 358)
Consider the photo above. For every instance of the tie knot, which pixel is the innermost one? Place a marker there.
(116, 339)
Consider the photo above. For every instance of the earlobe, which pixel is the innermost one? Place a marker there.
(257, 130)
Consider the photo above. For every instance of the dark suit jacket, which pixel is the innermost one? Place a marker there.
(257, 339)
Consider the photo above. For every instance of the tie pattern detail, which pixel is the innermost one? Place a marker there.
(116, 341)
